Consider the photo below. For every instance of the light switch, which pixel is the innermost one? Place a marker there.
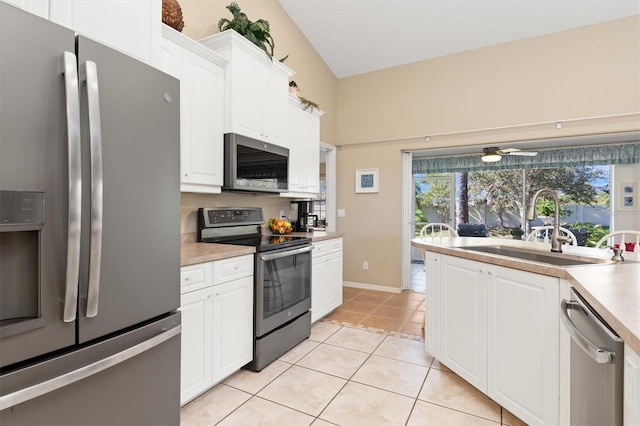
(341, 213)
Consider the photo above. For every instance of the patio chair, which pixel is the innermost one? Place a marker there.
(544, 233)
(436, 229)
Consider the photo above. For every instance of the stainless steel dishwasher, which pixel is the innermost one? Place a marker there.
(597, 358)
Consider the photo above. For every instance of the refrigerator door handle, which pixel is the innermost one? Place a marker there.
(31, 392)
(90, 76)
(70, 73)
(599, 355)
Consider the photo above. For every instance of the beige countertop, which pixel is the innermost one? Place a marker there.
(193, 252)
(613, 290)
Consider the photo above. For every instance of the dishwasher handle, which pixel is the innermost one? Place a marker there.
(599, 355)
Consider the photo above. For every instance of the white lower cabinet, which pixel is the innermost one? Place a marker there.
(631, 387)
(523, 344)
(497, 328)
(463, 317)
(232, 327)
(197, 332)
(326, 277)
(217, 322)
(432, 307)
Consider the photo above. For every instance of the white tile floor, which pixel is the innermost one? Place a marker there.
(347, 376)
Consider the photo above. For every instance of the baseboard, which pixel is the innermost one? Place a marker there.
(371, 287)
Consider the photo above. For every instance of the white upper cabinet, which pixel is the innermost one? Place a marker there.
(37, 7)
(202, 76)
(131, 26)
(257, 89)
(303, 141)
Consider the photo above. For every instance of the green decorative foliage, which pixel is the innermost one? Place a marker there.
(307, 104)
(257, 32)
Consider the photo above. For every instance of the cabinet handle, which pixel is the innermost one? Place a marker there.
(187, 279)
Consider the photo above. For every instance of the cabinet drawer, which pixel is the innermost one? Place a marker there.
(233, 268)
(328, 246)
(195, 277)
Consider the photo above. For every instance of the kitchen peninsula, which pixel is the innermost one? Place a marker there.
(495, 320)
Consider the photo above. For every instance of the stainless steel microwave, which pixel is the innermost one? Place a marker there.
(254, 166)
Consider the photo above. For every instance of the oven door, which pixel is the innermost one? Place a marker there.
(283, 287)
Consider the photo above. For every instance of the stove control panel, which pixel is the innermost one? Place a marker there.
(210, 217)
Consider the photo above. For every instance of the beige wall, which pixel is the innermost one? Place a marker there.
(587, 72)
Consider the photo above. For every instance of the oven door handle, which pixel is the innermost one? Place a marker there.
(285, 253)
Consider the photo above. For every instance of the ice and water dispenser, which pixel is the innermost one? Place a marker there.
(21, 222)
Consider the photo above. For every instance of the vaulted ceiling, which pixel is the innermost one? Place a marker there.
(359, 36)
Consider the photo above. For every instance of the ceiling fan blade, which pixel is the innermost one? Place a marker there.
(523, 153)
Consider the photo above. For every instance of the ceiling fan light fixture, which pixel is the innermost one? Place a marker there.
(491, 158)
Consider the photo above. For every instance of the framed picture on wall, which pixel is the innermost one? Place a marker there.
(366, 180)
(629, 197)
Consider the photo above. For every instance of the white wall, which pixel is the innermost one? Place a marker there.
(623, 218)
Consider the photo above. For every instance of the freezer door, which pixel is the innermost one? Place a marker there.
(130, 114)
(34, 156)
(131, 379)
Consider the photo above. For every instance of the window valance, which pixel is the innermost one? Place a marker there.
(597, 155)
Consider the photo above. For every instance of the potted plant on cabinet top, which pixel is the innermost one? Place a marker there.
(257, 32)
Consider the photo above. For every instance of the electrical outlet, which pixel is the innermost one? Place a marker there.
(365, 265)
(342, 213)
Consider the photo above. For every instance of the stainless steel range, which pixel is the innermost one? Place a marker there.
(282, 278)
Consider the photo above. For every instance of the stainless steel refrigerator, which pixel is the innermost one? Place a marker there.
(89, 231)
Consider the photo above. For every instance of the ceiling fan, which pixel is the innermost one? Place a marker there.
(493, 153)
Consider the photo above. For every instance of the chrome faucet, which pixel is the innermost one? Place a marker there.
(556, 238)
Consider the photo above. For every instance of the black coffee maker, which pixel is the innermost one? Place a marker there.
(305, 219)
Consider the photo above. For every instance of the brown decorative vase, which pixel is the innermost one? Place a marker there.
(172, 14)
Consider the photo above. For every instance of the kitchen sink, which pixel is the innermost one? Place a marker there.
(559, 259)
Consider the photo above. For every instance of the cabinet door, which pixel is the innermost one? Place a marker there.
(319, 299)
(431, 298)
(232, 327)
(202, 116)
(197, 335)
(631, 392)
(524, 344)
(464, 319)
(334, 287)
(275, 98)
(171, 58)
(246, 97)
(303, 141)
(37, 7)
(130, 26)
